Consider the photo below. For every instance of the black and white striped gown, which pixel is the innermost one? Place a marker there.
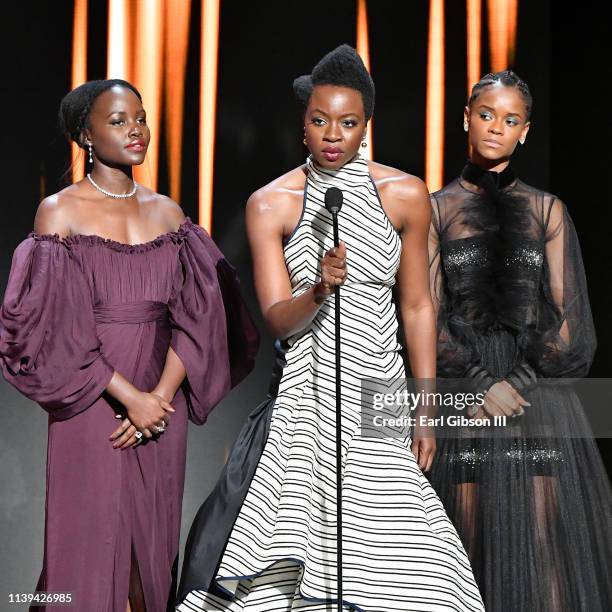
(400, 550)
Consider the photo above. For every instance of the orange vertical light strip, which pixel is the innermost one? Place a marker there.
(474, 27)
(177, 35)
(209, 46)
(117, 56)
(513, 19)
(498, 33)
(147, 70)
(363, 48)
(79, 75)
(434, 128)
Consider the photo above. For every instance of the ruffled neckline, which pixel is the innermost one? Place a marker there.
(486, 179)
(354, 172)
(94, 239)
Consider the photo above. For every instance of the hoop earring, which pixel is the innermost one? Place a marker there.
(90, 153)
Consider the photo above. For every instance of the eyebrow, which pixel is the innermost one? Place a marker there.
(322, 112)
(141, 110)
(492, 109)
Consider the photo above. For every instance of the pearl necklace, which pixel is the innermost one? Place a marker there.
(120, 196)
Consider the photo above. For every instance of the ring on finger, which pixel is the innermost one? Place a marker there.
(138, 435)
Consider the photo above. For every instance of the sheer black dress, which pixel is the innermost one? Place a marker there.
(531, 501)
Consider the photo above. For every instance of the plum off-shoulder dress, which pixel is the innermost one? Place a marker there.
(77, 309)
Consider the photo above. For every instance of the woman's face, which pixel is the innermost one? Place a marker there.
(334, 125)
(118, 130)
(497, 120)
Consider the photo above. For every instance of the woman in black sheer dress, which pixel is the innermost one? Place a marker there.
(531, 500)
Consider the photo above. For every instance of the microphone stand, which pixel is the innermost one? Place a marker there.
(333, 203)
(338, 424)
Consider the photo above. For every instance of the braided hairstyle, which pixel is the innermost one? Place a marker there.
(76, 106)
(342, 67)
(507, 78)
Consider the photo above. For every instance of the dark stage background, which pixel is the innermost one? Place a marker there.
(563, 55)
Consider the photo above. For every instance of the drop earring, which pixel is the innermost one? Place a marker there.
(90, 153)
(364, 144)
(304, 141)
(465, 127)
(522, 141)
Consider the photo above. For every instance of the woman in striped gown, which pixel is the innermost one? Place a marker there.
(265, 540)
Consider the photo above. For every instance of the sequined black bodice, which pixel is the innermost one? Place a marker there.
(465, 253)
(489, 286)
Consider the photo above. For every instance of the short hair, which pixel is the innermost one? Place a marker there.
(76, 106)
(507, 78)
(341, 67)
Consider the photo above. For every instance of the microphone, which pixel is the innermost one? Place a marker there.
(333, 200)
(333, 203)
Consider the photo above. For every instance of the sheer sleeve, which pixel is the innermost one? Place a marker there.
(49, 349)
(455, 356)
(563, 342)
(212, 331)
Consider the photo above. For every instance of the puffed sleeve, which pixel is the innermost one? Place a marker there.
(212, 331)
(562, 342)
(49, 349)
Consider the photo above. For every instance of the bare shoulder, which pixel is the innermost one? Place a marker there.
(277, 193)
(395, 184)
(55, 211)
(162, 207)
(278, 204)
(404, 197)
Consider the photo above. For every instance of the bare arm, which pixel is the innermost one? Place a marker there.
(407, 200)
(416, 307)
(284, 314)
(172, 377)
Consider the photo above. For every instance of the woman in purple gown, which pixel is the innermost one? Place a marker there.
(118, 307)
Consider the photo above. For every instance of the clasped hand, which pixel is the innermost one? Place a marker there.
(502, 399)
(146, 413)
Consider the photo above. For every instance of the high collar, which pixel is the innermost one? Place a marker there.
(352, 173)
(488, 180)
